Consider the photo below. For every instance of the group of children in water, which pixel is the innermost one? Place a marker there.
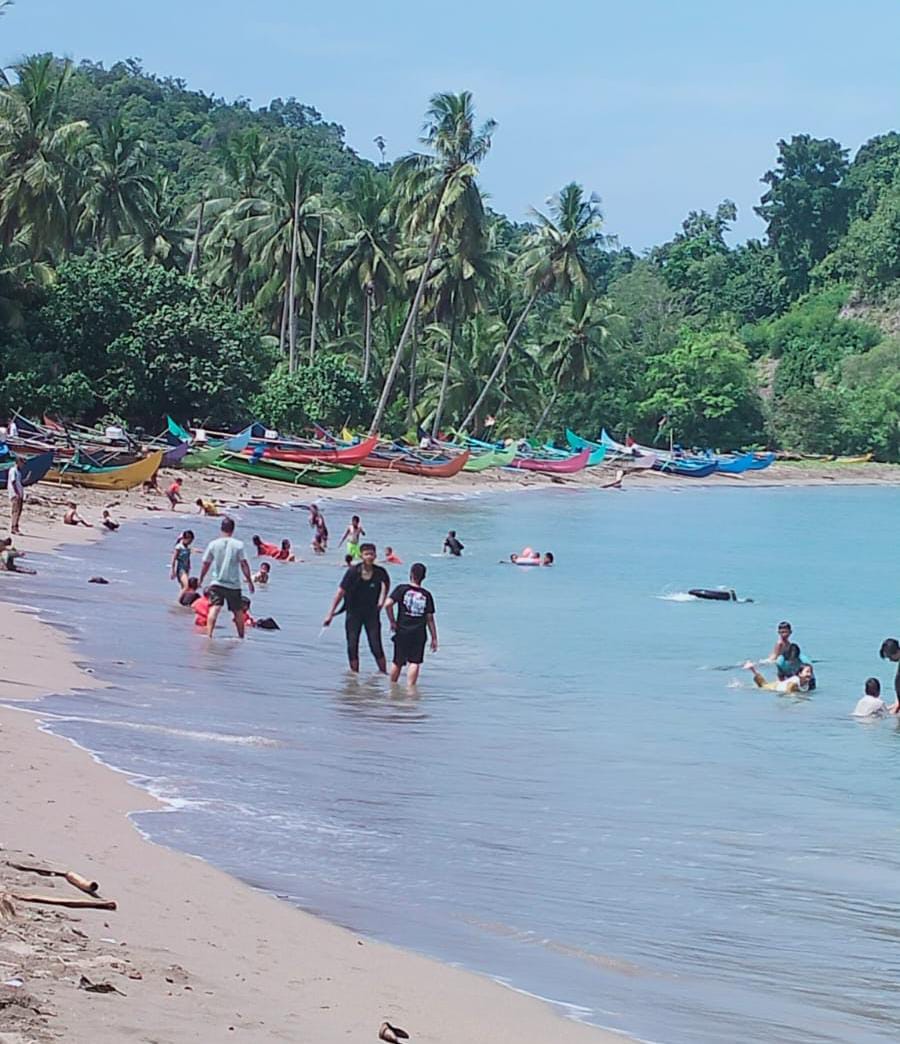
(795, 675)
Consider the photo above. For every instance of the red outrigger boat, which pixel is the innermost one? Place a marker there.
(295, 454)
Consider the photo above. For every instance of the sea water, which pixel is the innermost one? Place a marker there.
(586, 798)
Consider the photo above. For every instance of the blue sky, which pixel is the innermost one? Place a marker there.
(660, 107)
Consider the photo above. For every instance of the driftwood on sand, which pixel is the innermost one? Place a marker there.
(91, 887)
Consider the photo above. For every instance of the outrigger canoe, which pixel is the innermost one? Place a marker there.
(295, 475)
(75, 473)
(314, 454)
(410, 464)
(565, 466)
(491, 459)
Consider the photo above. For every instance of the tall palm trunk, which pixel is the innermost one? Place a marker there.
(407, 328)
(315, 304)
(194, 261)
(282, 336)
(445, 381)
(367, 356)
(551, 403)
(501, 362)
(411, 398)
(292, 284)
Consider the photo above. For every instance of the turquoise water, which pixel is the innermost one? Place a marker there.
(580, 800)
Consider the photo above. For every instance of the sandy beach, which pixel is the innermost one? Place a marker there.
(193, 954)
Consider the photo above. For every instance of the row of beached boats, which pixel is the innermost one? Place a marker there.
(115, 459)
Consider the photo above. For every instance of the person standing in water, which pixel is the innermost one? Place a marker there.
(364, 589)
(225, 557)
(16, 493)
(181, 558)
(320, 530)
(890, 650)
(783, 641)
(415, 617)
(353, 534)
(452, 544)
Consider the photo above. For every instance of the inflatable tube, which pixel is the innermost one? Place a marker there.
(712, 596)
(525, 561)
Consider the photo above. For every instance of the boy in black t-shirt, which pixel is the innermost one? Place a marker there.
(415, 616)
(363, 590)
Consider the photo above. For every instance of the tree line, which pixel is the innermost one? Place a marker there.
(164, 250)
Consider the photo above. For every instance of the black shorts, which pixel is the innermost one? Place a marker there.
(230, 596)
(353, 625)
(408, 648)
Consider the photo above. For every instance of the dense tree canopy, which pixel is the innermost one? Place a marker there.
(163, 250)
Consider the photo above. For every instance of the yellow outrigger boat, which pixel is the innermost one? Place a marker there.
(73, 473)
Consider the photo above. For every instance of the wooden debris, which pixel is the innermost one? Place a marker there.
(91, 887)
(72, 904)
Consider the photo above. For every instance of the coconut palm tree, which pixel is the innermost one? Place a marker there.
(553, 260)
(164, 236)
(38, 157)
(581, 336)
(436, 192)
(366, 270)
(118, 196)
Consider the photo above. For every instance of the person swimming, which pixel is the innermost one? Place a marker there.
(391, 558)
(262, 577)
(191, 593)
(796, 684)
(871, 705)
(791, 662)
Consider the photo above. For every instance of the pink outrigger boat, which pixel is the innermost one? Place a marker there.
(567, 466)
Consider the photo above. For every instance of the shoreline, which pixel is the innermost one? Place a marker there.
(193, 953)
(200, 954)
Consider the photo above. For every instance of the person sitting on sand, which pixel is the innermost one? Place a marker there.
(9, 556)
(174, 493)
(615, 483)
(391, 558)
(108, 523)
(262, 577)
(181, 558)
(796, 684)
(72, 518)
(871, 705)
(791, 662)
(207, 507)
(191, 593)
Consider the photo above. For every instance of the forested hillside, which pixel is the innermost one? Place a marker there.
(164, 250)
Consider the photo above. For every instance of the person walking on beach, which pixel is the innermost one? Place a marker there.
(174, 493)
(16, 493)
(414, 617)
(181, 558)
(225, 558)
(452, 544)
(364, 589)
(353, 534)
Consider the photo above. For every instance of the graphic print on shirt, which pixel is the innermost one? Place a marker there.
(415, 603)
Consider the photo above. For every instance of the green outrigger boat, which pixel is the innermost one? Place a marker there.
(323, 477)
(491, 459)
(198, 457)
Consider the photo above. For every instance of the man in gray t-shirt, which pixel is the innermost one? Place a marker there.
(226, 561)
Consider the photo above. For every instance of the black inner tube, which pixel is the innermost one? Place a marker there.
(713, 596)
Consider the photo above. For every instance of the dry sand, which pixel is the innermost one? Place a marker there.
(195, 955)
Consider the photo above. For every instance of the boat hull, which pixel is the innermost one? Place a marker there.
(126, 477)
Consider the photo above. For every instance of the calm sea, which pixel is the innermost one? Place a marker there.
(585, 799)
